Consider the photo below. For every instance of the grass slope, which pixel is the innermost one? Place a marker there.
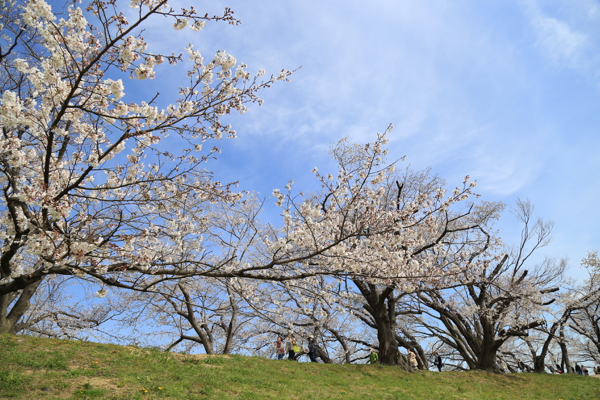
(34, 368)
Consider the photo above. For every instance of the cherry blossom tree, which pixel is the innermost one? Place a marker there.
(585, 306)
(312, 306)
(575, 309)
(507, 299)
(90, 187)
(65, 307)
(203, 311)
(423, 228)
(349, 230)
(55, 311)
(544, 339)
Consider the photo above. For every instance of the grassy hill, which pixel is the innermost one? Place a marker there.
(33, 368)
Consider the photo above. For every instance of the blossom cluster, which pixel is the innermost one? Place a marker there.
(88, 186)
(356, 227)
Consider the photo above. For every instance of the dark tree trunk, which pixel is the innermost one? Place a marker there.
(204, 335)
(381, 305)
(474, 338)
(320, 353)
(9, 319)
(564, 351)
(231, 327)
(539, 365)
(388, 347)
(487, 355)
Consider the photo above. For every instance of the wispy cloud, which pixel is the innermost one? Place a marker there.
(560, 41)
(567, 32)
(506, 92)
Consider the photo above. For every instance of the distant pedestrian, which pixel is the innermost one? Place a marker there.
(412, 359)
(279, 348)
(502, 365)
(558, 369)
(312, 349)
(373, 357)
(584, 370)
(437, 361)
(521, 365)
(578, 369)
(290, 345)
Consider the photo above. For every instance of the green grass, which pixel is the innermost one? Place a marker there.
(33, 368)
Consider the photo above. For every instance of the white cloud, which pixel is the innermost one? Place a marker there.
(561, 42)
(491, 89)
(567, 33)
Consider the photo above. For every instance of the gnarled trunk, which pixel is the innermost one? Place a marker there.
(487, 355)
(381, 306)
(388, 346)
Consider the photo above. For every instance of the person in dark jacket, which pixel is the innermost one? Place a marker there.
(437, 361)
(312, 349)
(578, 369)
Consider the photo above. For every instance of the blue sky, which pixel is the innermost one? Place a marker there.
(507, 92)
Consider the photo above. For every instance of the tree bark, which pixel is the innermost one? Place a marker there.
(539, 364)
(200, 328)
(231, 327)
(381, 305)
(564, 351)
(9, 319)
(473, 337)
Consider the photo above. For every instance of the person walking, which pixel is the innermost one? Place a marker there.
(373, 357)
(578, 369)
(437, 361)
(312, 349)
(279, 348)
(290, 346)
